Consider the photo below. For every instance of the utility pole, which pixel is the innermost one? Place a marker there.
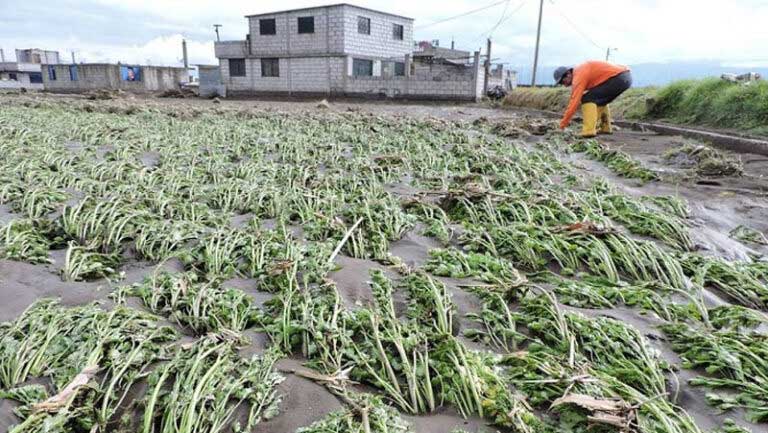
(184, 53)
(73, 57)
(2, 55)
(538, 38)
(186, 59)
(216, 27)
(608, 53)
(487, 67)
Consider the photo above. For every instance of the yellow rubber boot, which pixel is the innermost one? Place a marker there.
(604, 113)
(589, 117)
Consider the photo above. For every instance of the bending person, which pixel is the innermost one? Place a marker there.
(594, 84)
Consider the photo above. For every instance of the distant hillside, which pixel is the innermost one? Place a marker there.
(651, 74)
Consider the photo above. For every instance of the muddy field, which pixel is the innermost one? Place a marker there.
(279, 266)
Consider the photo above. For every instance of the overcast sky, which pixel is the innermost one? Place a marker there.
(734, 32)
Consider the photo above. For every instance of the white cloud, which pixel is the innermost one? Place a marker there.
(162, 50)
(643, 30)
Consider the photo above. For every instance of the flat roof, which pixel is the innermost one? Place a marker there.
(325, 7)
(112, 64)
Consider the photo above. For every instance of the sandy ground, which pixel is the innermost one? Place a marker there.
(718, 206)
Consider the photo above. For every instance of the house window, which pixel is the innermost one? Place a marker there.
(397, 32)
(399, 69)
(237, 67)
(267, 26)
(362, 68)
(52, 73)
(270, 67)
(306, 24)
(36, 77)
(13, 76)
(130, 73)
(364, 25)
(72, 73)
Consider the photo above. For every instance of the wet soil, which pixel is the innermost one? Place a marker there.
(718, 205)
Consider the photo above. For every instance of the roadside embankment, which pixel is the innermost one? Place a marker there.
(631, 105)
(709, 102)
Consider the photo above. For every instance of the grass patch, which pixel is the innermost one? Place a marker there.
(710, 102)
(632, 104)
(716, 103)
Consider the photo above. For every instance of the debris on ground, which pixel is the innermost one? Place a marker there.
(323, 104)
(496, 93)
(60, 400)
(613, 412)
(748, 234)
(104, 94)
(216, 100)
(704, 160)
(518, 127)
(178, 93)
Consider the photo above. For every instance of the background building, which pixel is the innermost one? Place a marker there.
(339, 50)
(25, 72)
(37, 56)
(83, 77)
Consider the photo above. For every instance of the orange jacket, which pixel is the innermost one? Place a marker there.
(588, 76)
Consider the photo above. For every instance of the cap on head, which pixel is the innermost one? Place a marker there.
(560, 73)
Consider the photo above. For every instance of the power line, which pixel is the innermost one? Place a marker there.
(462, 15)
(575, 27)
(507, 17)
(501, 18)
(501, 21)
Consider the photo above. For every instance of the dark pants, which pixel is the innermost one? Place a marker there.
(606, 92)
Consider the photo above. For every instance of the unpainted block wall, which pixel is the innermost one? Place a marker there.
(21, 78)
(411, 88)
(333, 76)
(210, 81)
(297, 75)
(311, 74)
(107, 76)
(253, 81)
(327, 38)
(381, 41)
(336, 32)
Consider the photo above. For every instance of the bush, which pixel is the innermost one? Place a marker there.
(669, 99)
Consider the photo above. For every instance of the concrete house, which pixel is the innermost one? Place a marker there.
(25, 72)
(83, 77)
(37, 56)
(334, 50)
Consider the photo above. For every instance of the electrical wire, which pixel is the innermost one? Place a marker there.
(501, 18)
(575, 27)
(504, 18)
(501, 21)
(461, 15)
